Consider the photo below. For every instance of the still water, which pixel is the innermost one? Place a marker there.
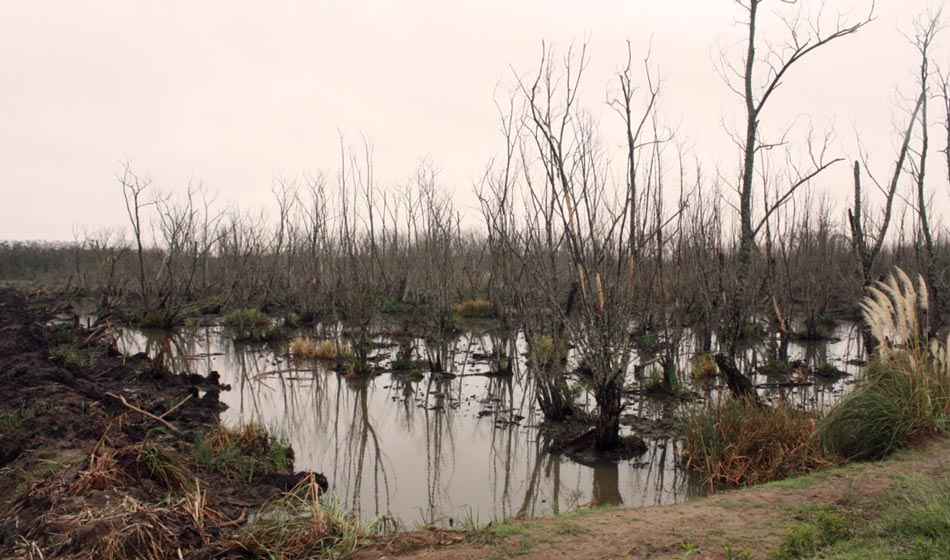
(458, 448)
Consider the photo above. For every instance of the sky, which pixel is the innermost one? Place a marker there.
(234, 94)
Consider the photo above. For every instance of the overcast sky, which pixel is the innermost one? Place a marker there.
(235, 93)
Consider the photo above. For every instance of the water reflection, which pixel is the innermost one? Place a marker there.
(460, 445)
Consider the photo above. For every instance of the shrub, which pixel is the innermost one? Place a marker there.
(739, 441)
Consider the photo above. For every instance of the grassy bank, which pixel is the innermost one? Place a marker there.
(895, 508)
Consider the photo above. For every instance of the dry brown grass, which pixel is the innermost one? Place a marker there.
(122, 528)
(306, 347)
(103, 473)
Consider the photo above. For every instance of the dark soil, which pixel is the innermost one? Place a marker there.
(73, 474)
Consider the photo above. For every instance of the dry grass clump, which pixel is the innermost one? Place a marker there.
(299, 525)
(474, 309)
(703, 366)
(739, 441)
(120, 529)
(306, 347)
(103, 473)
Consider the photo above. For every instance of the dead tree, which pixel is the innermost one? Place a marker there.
(133, 192)
(584, 226)
(926, 30)
(758, 80)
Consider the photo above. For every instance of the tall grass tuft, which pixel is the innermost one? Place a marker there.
(902, 400)
(739, 441)
(906, 394)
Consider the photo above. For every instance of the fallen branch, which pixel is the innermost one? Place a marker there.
(174, 408)
(148, 414)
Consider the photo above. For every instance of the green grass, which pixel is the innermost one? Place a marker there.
(505, 530)
(246, 318)
(70, 354)
(14, 420)
(245, 453)
(911, 522)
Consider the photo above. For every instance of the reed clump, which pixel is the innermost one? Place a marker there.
(740, 441)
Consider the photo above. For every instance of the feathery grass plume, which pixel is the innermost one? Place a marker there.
(892, 310)
(923, 293)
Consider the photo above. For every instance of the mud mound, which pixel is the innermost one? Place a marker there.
(98, 451)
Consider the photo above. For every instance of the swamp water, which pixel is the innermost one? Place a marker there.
(463, 448)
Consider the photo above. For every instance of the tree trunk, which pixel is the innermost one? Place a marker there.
(607, 430)
(739, 385)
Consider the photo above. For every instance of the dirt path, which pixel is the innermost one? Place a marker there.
(748, 523)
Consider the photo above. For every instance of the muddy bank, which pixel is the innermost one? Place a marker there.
(108, 456)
